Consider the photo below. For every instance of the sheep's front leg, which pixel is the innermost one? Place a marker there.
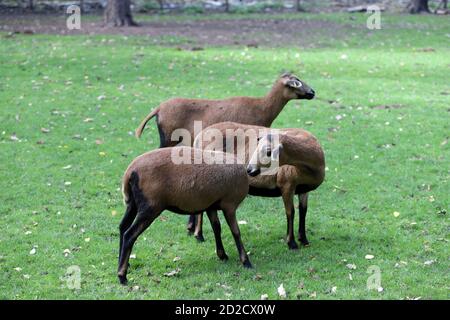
(143, 220)
(303, 208)
(230, 217)
(288, 199)
(198, 233)
(215, 224)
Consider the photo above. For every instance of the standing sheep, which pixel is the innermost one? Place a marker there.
(285, 181)
(154, 182)
(180, 113)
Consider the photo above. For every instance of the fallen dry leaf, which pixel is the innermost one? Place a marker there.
(429, 262)
(172, 273)
(281, 291)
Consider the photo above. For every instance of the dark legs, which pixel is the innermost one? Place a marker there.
(230, 216)
(215, 224)
(198, 233)
(303, 208)
(191, 224)
(143, 220)
(126, 222)
(288, 200)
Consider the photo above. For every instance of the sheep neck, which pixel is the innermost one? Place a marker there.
(273, 103)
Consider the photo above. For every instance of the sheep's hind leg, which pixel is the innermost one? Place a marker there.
(198, 233)
(230, 217)
(191, 224)
(215, 224)
(303, 208)
(143, 220)
(288, 199)
(127, 220)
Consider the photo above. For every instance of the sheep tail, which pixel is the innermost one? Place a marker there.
(126, 189)
(141, 127)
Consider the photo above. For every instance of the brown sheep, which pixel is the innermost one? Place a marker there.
(154, 182)
(287, 181)
(180, 113)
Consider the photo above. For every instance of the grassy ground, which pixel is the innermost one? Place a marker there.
(68, 106)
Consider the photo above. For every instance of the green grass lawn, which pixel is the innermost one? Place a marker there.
(68, 109)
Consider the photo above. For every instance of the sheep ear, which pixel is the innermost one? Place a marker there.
(294, 83)
(276, 152)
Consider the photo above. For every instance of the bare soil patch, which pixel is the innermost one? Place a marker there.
(270, 31)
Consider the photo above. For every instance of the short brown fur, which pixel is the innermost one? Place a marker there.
(288, 179)
(153, 183)
(181, 113)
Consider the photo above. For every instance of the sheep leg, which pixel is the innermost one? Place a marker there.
(143, 220)
(191, 224)
(127, 220)
(288, 199)
(215, 224)
(303, 208)
(230, 217)
(198, 233)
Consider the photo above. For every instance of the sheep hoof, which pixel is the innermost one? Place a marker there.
(223, 256)
(248, 265)
(190, 230)
(304, 242)
(123, 280)
(293, 245)
(200, 238)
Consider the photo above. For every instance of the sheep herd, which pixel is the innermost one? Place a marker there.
(234, 155)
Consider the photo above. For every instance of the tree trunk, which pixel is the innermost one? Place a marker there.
(418, 6)
(31, 5)
(118, 13)
(227, 6)
(298, 6)
(161, 5)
